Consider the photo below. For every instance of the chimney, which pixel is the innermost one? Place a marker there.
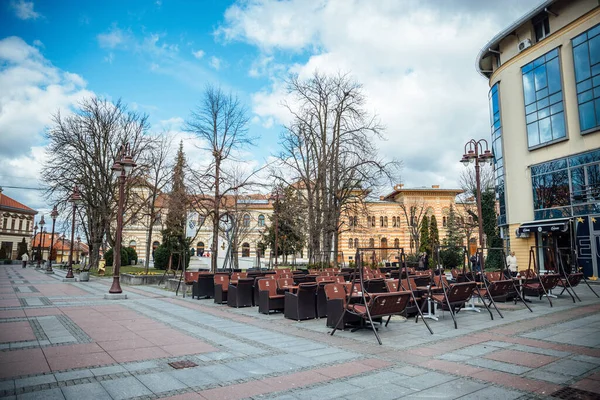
(435, 186)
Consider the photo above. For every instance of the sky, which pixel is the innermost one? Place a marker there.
(415, 59)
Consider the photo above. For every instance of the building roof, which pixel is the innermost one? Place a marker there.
(493, 44)
(400, 189)
(10, 204)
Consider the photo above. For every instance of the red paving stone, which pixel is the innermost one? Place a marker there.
(516, 382)
(135, 343)
(73, 349)
(22, 362)
(185, 349)
(521, 358)
(42, 312)
(12, 314)
(376, 363)
(427, 351)
(70, 361)
(595, 376)
(292, 381)
(453, 367)
(591, 385)
(186, 396)
(145, 353)
(16, 332)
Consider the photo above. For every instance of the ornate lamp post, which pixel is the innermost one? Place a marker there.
(53, 214)
(75, 199)
(62, 252)
(78, 249)
(122, 167)
(477, 154)
(35, 229)
(40, 244)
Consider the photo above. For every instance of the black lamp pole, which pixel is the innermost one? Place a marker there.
(53, 214)
(40, 245)
(35, 229)
(74, 199)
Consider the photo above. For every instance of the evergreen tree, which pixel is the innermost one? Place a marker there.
(453, 253)
(490, 229)
(21, 249)
(174, 234)
(424, 245)
(434, 236)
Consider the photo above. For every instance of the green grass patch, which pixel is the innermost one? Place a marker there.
(127, 269)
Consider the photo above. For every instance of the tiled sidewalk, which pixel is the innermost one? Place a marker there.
(63, 340)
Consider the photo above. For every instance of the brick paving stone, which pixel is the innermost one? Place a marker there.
(125, 388)
(86, 391)
(521, 358)
(587, 384)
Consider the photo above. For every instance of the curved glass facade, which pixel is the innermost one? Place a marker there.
(586, 56)
(496, 124)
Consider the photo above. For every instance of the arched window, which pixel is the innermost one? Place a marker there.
(355, 221)
(132, 244)
(381, 221)
(394, 222)
(158, 219)
(246, 220)
(245, 249)
(385, 221)
(412, 244)
(398, 222)
(471, 219)
(200, 249)
(261, 220)
(356, 243)
(396, 243)
(371, 242)
(373, 221)
(350, 242)
(444, 221)
(351, 221)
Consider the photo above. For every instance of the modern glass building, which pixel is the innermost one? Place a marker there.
(544, 77)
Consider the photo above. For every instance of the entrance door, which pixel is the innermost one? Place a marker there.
(472, 246)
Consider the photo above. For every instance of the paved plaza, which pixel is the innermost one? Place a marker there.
(62, 340)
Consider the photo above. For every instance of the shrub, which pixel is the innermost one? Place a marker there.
(108, 257)
(2, 253)
(161, 257)
(131, 255)
(451, 258)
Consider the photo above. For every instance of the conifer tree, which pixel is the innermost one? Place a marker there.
(424, 245)
(434, 236)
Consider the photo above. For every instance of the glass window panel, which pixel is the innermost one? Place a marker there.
(585, 96)
(594, 44)
(594, 31)
(593, 182)
(530, 108)
(553, 72)
(586, 158)
(545, 128)
(596, 81)
(552, 54)
(542, 103)
(581, 62)
(587, 116)
(578, 185)
(497, 124)
(529, 88)
(497, 148)
(596, 93)
(495, 108)
(543, 113)
(533, 137)
(538, 61)
(583, 86)
(579, 39)
(558, 126)
(597, 102)
(542, 94)
(527, 68)
(555, 97)
(531, 118)
(595, 69)
(540, 78)
(556, 108)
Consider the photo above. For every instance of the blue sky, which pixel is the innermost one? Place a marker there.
(415, 59)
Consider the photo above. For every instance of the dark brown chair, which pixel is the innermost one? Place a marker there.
(569, 282)
(256, 288)
(321, 298)
(336, 295)
(375, 285)
(302, 304)
(541, 285)
(204, 287)
(240, 294)
(340, 279)
(453, 298)
(269, 300)
(237, 275)
(392, 285)
(221, 286)
(284, 284)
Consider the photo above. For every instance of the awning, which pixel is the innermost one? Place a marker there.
(549, 225)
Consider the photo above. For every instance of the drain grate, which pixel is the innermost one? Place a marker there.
(570, 393)
(183, 364)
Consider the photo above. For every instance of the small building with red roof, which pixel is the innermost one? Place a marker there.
(16, 226)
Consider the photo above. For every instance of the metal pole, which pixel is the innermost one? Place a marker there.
(49, 268)
(276, 227)
(116, 285)
(479, 209)
(70, 270)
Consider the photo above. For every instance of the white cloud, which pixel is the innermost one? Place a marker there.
(38, 43)
(198, 54)
(415, 60)
(24, 10)
(109, 58)
(32, 91)
(113, 38)
(215, 62)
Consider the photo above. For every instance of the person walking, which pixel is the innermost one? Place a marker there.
(421, 266)
(511, 262)
(24, 259)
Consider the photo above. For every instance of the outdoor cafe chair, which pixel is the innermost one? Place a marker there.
(269, 300)
(452, 298)
(302, 304)
(240, 294)
(221, 287)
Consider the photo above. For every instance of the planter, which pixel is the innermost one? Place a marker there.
(84, 276)
(129, 279)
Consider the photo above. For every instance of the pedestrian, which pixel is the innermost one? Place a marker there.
(511, 263)
(421, 266)
(24, 259)
(474, 262)
(425, 260)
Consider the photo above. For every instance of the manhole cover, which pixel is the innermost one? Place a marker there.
(570, 393)
(182, 364)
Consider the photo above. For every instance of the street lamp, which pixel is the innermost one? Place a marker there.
(78, 250)
(53, 214)
(62, 252)
(75, 199)
(477, 154)
(35, 229)
(40, 244)
(122, 167)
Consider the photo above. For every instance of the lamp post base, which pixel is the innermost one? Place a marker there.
(115, 296)
(48, 272)
(69, 279)
(116, 286)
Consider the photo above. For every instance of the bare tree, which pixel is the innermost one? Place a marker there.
(220, 121)
(330, 148)
(413, 211)
(81, 151)
(468, 182)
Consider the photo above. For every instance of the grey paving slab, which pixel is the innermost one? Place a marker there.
(124, 388)
(539, 350)
(7, 385)
(86, 391)
(376, 380)
(497, 344)
(387, 392)
(425, 381)
(224, 373)
(494, 393)
(34, 380)
(70, 375)
(49, 394)
(159, 383)
(215, 356)
(140, 366)
(569, 367)
(251, 367)
(498, 366)
(192, 378)
(281, 363)
(335, 357)
(409, 370)
(454, 357)
(451, 390)
(113, 369)
(542, 375)
(334, 390)
(588, 359)
(476, 350)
